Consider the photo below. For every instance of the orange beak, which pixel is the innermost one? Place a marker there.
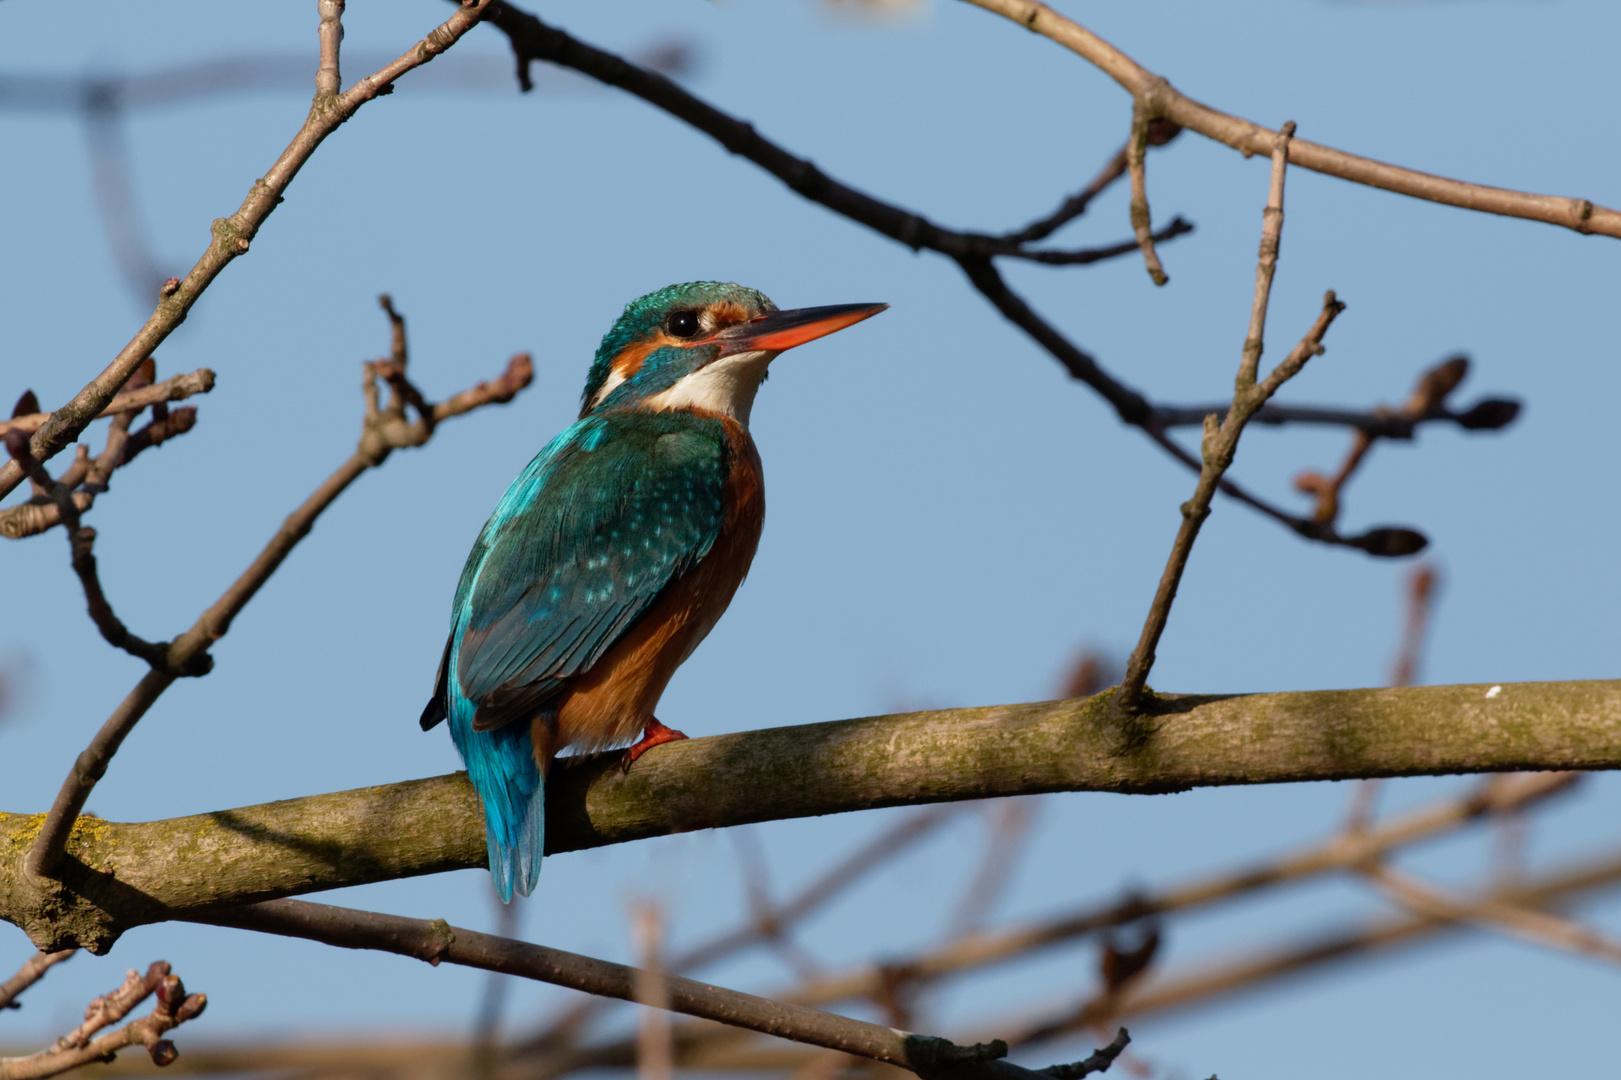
(782, 330)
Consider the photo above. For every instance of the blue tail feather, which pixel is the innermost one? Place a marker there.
(501, 765)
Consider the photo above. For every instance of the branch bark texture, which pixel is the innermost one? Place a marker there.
(117, 876)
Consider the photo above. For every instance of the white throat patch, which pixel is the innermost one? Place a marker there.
(726, 386)
(608, 386)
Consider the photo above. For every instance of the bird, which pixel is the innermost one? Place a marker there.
(614, 552)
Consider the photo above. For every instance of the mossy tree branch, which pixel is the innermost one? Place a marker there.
(122, 875)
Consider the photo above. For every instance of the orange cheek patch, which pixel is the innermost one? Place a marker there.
(632, 357)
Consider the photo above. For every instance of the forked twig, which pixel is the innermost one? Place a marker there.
(533, 40)
(233, 235)
(84, 1045)
(1220, 442)
(188, 653)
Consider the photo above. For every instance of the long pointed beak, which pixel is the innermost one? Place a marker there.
(782, 330)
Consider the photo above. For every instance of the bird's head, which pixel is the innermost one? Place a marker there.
(704, 346)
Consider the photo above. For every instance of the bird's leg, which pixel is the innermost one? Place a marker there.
(653, 734)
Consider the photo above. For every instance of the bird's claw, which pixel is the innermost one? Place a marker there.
(652, 735)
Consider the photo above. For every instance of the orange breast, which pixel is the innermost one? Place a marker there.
(615, 699)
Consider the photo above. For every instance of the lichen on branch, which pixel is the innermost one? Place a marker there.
(118, 876)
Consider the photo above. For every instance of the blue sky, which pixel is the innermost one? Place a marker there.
(950, 517)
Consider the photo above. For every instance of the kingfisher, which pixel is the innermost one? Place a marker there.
(613, 553)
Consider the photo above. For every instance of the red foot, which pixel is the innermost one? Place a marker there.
(652, 735)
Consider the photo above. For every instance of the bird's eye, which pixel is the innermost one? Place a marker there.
(684, 323)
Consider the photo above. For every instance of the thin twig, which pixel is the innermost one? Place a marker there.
(1524, 923)
(1338, 853)
(438, 942)
(42, 515)
(63, 500)
(1249, 138)
(764, 926)
(1266, 265)
(1141, 218)
(1159, 133)
(1389, 541)
(174, 388)
(188, 653)
(30, 973)
(81, 538)
(1423, 582)
(1493, 800)
(1427, 401)
(112, 628)
(1221, 980)
(1220, 442)
(1179, 226)
(231, 238)
(654, 1052)
(328, 76)
(534, 40)
(492, 1003)
(83, 1046)
(1381, 423)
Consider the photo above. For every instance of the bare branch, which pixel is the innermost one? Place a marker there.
(1141, 218)
(1427, 401)
(654, 1052)
(1221, 439)
(437, 942)
(1340, 852)
(188, 653)
(29, 974)
(112, 628)
(534, 40)
(174, 388)
(1159, 133)
(328, 77)
(1220, 443)
(1253, 968)
(1250, 138)
(127, 875)
(1266, 265)
(231, 238)
(1524, 923)
(83, 1046)
(770, 924)
(1497, 798)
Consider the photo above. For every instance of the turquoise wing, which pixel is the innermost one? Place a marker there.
(583, 542)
